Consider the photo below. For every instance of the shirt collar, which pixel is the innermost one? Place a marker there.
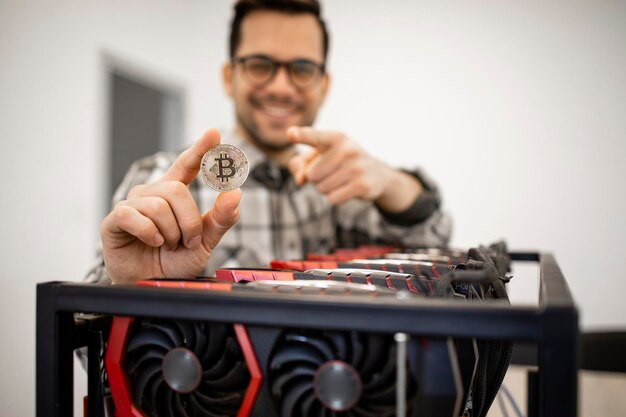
(262, 169)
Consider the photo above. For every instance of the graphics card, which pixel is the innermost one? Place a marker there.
(163, 368)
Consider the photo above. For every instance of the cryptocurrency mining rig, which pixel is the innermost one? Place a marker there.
(372, 331)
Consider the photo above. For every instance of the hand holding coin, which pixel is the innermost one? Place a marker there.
(158, 230)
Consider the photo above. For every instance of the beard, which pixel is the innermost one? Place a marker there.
(253, 131)
(267, 141)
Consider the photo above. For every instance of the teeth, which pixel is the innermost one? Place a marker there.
(277, 111)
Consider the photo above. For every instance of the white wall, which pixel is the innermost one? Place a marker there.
(518, 109)
(53, 129)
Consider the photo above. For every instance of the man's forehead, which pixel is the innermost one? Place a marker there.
(284, 36)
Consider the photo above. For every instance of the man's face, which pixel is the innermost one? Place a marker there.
(265, 112)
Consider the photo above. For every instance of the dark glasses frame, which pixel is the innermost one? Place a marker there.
(319, 69)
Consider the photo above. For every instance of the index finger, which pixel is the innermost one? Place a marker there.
(186, 167)
(319, 139)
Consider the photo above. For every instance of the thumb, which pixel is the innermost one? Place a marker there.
(299, 163)
(220, 218)
(297, 166)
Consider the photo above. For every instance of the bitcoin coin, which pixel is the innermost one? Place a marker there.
(224, 167)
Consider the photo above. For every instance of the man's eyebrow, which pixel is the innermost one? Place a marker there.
(262, 55)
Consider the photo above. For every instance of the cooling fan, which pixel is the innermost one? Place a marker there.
(327, 373)
(175, 368)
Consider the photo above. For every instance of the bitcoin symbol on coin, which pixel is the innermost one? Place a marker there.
(224, 167)
(225, 171)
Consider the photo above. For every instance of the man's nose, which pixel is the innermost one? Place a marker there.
(281, 81)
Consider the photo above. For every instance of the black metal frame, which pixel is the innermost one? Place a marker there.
(553, 326)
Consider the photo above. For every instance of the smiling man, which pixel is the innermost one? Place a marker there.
(276, 75)
(166, 223)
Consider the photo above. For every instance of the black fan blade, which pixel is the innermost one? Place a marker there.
(170, 329)
(149, 337)
(236, 378)
(288, 376)
(364, 412)
(146, 358)
(315, 341)
(201, 339)
(213, 398)
(180, 405)
(199, 410)
(187, 333)
(157, 391)
(384, 376)
(296, 353)
(357, 350)
(216, 335)
(311, 407)
(225, 408)
(376, 355)
(293, 395)
(340, 344)
(166, 409)
(217, 369)
(386, 396)
(142, 382)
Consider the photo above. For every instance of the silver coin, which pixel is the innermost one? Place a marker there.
(224, 167)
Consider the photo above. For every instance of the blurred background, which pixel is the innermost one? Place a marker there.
(517, 109)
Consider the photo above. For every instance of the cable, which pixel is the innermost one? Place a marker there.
(512, 401)
(505, 413)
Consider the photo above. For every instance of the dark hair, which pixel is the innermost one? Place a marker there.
(245, 7)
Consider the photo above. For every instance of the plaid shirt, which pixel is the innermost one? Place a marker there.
(280, 220)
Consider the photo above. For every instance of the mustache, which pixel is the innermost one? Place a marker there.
(277, 100)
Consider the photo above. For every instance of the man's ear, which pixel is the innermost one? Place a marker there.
(227, 78)
(325, 85)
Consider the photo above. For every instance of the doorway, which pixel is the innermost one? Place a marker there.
(145, 117)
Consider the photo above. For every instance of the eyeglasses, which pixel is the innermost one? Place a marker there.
(261, 70)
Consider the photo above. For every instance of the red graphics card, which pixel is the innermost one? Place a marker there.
(180, 368)
(167, 368)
